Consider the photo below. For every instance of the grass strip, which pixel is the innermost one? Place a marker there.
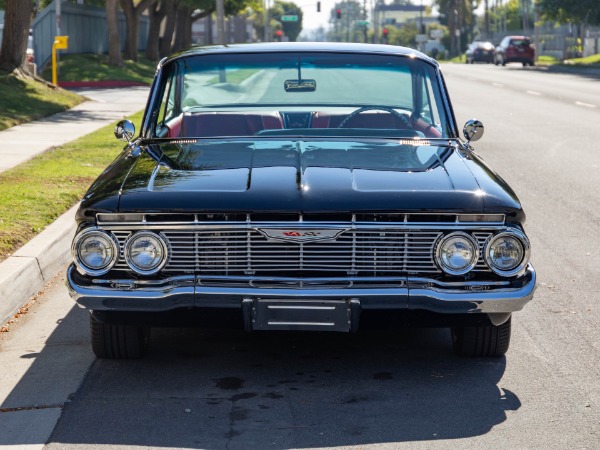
(87, 67)
(23, 100)
(592, 60)
(35, 193)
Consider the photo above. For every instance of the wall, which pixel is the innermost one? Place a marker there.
(85, 26)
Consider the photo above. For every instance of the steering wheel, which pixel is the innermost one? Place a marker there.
(376, 108)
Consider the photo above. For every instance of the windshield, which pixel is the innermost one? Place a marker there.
(299, 94)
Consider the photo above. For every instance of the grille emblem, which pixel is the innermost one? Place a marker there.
(300, 235)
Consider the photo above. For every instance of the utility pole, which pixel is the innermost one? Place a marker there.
(347, 20)
(220, 22)
(266, 20)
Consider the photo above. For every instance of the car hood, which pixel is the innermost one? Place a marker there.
(310, 176)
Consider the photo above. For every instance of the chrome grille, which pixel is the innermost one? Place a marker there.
(243, 250)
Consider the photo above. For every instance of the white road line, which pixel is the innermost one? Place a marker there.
(537, 94)
(498, 84)
(586, 105)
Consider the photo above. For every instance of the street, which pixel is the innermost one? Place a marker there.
(223, 389)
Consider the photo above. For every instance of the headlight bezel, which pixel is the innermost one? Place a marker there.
(76, 246)
(140, 234)
(439, 247)
(520, 237)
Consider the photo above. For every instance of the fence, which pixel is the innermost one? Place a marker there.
(560, 41)
(85, 26)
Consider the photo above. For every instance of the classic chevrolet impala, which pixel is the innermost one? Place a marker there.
(312, 187)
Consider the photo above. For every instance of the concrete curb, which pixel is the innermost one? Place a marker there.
(27, 271)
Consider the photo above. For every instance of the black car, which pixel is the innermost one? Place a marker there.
(480, 51)
(312, 187)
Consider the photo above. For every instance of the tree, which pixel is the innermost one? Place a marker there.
(114, 39)
(507, 16)
(189, 11)
(582, 12)
(459, 17)
(132, 11)
(17, 18)
(290, 29)
(156, 12)
(344, 28)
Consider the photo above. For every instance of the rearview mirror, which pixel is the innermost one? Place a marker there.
(300, 85)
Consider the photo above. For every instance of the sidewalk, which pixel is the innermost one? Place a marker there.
(23, 142)
(31, 267)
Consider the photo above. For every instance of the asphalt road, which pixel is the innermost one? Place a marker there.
(211, 389)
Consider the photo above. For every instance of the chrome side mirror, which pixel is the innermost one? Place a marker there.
(473, 130)
(124, 131)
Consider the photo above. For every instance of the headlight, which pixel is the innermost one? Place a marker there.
(145, 252)
(507, 253)
(95, 251)
(457, 253)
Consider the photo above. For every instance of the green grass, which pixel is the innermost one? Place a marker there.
(35, 193)
(23, 100)
(87, 67)
(593, 60)
(456, 59)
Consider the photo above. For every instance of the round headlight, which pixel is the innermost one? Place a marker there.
(95, 251)
(507, 253)
(145, 252)
(457, 253)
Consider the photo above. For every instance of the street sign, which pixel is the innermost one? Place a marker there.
(364, 23)
(421, 38)
(61, 42)
(289, 18)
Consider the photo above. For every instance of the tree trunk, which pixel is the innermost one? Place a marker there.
(183, 21)
(17, 18)
(157, 14)
(114, 39)
(167, 38)
(197, 16)
(132, 19)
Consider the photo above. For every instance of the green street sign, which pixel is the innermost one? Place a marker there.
(362, 23)
(289, 18)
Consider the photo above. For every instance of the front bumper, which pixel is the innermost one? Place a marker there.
(408, 293)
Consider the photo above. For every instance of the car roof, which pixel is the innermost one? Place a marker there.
(325, 47)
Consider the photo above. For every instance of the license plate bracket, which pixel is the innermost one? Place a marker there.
(301, 315)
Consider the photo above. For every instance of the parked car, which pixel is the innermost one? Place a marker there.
(300, 186)
(480, 51)
(515, 49)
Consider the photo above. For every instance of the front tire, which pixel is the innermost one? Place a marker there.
(118, 341)
(480, 341)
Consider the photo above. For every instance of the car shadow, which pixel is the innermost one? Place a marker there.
(217, 389)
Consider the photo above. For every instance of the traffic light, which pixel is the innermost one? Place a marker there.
(338, 13)
(318, 6)
(385, 33)
(279, 35)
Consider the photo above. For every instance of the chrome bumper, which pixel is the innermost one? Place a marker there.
(389, 293)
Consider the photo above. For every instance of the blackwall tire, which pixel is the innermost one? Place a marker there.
(118, 341)
(482, 341)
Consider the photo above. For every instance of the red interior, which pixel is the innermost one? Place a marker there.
(247, 124)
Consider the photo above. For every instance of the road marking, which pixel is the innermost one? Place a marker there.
(498, 84)
(586, 105)
(533, 93)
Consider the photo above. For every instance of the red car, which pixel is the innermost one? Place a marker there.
(515, 49)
